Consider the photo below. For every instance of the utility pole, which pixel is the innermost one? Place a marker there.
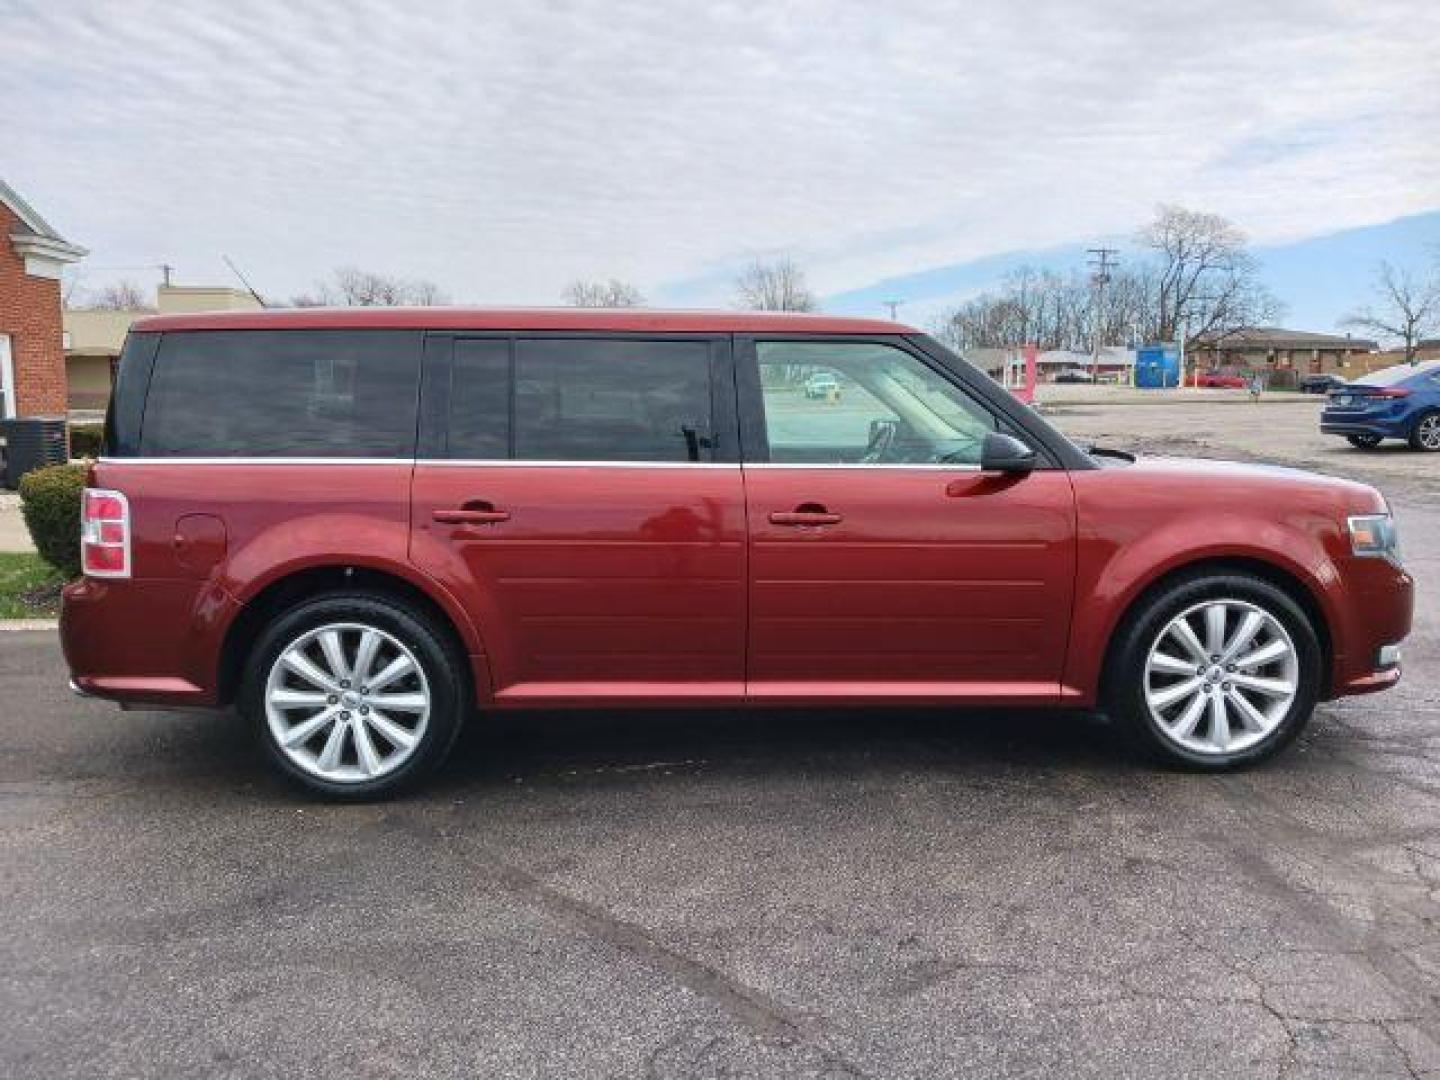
(894, 306)
(1102, 264)
(166, 270)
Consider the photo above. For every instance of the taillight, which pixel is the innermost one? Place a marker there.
(1394, 391)
(105, 534)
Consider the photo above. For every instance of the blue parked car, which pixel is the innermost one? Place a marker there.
(1397, 403)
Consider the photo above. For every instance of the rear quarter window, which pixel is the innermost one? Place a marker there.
(283, 393)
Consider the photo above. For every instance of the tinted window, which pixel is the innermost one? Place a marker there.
(612, 400)
(127, 399)
(480, 399)
(856, 403)
(283, 393)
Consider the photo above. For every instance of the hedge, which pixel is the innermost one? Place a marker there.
(86, 439)
(50, 503)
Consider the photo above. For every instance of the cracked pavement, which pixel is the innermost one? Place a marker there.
(787, 894)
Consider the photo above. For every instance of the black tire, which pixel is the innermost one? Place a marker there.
(1425, 435)
(1363, 442)
(1126, 670)
(439, 657)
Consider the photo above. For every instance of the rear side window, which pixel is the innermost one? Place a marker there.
(581, 399)
(480, 399)
(283, 393)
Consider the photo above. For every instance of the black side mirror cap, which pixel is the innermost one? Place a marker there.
(1003, 453)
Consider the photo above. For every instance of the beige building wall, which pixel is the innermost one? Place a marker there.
(89, 333)
(89, 379)
(187, 299)
(93, 339)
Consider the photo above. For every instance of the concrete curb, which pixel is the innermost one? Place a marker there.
(29, 624)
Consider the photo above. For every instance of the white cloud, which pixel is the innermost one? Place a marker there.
(504, 148)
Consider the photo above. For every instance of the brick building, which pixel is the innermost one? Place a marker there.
(32, 360)
(1274, 351)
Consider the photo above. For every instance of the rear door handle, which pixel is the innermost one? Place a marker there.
(470, 517)
(804, 517)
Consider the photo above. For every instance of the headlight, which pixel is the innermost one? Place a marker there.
(1373, 536)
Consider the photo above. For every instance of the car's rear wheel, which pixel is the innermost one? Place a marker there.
(1425, 435)
(355, 696)
(1363, 442)
(1215, 671)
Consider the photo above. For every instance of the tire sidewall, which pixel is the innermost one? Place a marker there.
(444, 673)
(1126, 676)
(1415, 432)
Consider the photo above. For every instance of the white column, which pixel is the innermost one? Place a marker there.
(7, 379)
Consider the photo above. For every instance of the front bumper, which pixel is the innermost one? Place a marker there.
(1376, 618)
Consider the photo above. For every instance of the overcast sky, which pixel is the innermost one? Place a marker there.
(502, 149)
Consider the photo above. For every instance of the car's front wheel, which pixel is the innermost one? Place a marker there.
(1425, 435)
(1215, 671)
(1363, 442)
(355, 696)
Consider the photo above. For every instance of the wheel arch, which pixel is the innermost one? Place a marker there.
(1288, 582)
(289, 588)
(1421, 415)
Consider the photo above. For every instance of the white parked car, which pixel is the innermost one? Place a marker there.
(822, 385)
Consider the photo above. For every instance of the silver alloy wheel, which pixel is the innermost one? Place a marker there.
(1221, 676)
(1428, 432)
(347, 702)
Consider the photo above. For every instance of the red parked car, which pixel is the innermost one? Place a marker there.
(1217, 380)
(360, 527)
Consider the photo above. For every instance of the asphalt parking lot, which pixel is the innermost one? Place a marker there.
(878, 894)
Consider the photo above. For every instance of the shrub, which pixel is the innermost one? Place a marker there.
(50, 502)
(86, 439)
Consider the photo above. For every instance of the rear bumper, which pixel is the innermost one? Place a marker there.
(1358, 426)
(145, 642)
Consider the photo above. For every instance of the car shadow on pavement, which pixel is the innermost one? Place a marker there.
(535, 747)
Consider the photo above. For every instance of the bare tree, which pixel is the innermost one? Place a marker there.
(603, 294)
(1409, 307)
(1053, 311)
(778, 285)
(1207, 283)
(350, 286)
(119, 296)
(1201, 282)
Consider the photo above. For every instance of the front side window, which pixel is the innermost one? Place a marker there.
(599, 399)
(858, 403)
(283, 393)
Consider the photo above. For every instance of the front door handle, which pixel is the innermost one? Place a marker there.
(805, 515)
(469, 517)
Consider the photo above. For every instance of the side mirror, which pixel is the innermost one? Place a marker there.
(1003, 453)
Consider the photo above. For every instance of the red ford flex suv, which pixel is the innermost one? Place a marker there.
(360, 527)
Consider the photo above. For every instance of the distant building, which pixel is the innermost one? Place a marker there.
(93, 337)
(1115, 361)
(1425, 349)
(32, 255)
(1272, 350)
